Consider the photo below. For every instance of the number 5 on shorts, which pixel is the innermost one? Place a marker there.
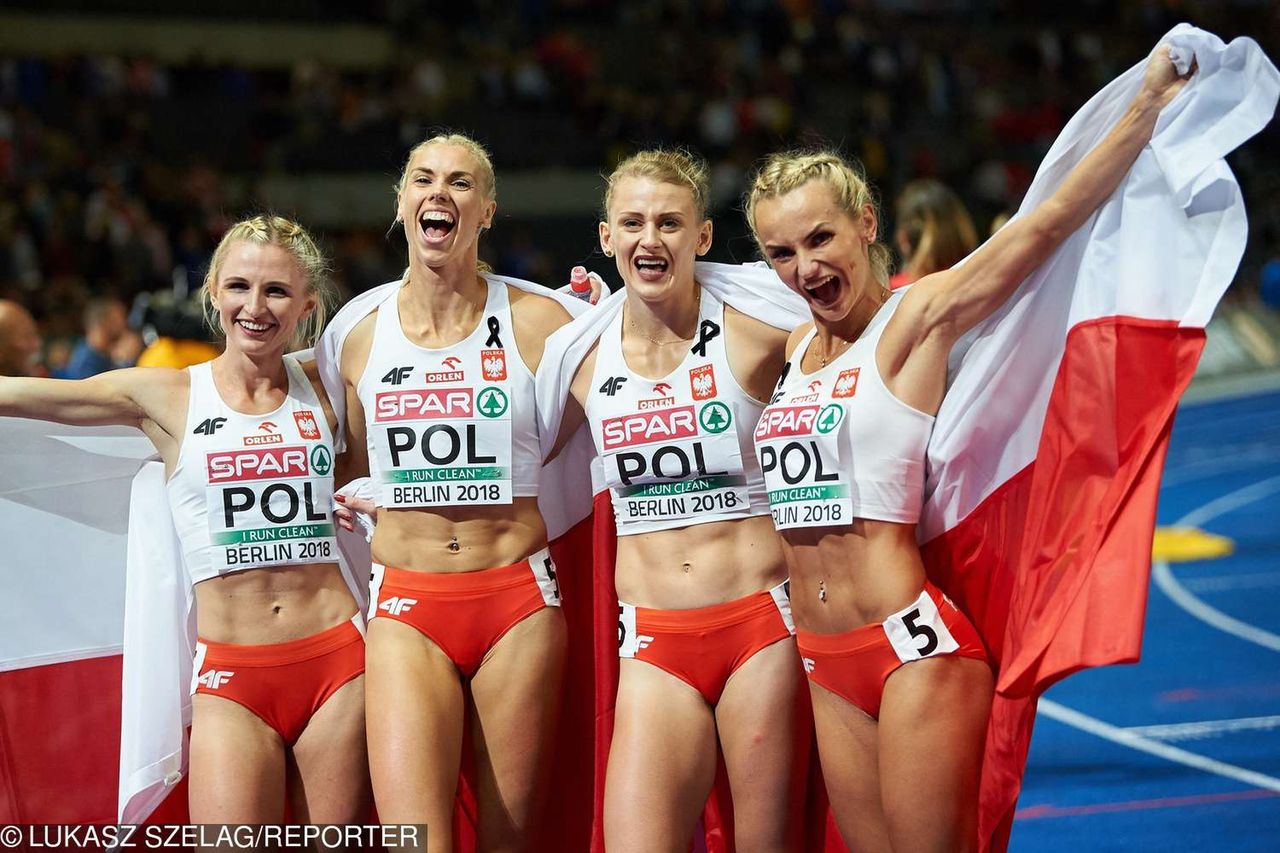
(917, 631)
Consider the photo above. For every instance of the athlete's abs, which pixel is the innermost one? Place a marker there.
(272, 605)
(847, 577)
(699, 565)
(460, 538)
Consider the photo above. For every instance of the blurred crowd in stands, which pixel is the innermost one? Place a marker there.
(118, 174)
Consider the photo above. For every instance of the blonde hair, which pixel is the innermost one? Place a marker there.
(785, 171)
(487, 178)
(669, 166)
(271, 230)
(934, 223)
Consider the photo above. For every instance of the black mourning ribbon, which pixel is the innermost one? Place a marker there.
(777, 392)
(494, 328)
(707, 332)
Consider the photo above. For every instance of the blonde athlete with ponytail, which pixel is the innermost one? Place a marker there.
(466, 625)
(672, 391)
(900, 682)
(247, 442)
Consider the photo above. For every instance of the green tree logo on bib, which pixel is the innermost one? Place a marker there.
(321, 460)
(492, 402)
(829, 418)
(715, 417)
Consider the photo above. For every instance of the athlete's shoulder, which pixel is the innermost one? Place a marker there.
(797, 335)
(744, 327)
(536, 311)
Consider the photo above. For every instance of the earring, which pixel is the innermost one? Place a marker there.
(608, 253)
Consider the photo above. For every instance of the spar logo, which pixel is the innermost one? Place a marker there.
(235, 466)
(492, 402)
(307, 426)
(450, 371)
(847, 383)
(267, 434)
(786, 422)
(321, 459)
(493, 365)
(423, 404)
(702, 381)
(830, 416)
(648, 427)
(663, 401)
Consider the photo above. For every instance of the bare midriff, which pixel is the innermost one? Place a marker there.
(844, 578)
(273, 605)
(699, 565)
(459, 538)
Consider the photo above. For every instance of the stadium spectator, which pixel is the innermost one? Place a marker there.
(19, 341)
(933, 231)
(105, 321)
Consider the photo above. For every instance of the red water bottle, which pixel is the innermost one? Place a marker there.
(580, 283)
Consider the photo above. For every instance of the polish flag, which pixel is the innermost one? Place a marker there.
(1045, 460)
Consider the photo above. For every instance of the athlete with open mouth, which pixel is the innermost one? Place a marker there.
(247, 443)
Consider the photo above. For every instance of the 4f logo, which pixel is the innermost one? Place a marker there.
(808, 664)
(612, 385)
(215, 678)
(397, 375)
(643, 641)
(493, 364)
(307, 426)
(395, 605)
(209, 426)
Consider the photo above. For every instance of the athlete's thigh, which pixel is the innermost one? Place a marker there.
(758, 719)
(847, 750)
(933, 721)
(237, 765)
(330, 761)
(516, 695)
(662, 761)
(413, 716)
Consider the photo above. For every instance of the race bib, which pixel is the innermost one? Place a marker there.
(443, 446)
(800, 456)
(674, 463)
(917, 631)
(270, 506)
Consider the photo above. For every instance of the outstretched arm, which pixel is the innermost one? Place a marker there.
(124, 397)
(953, 301)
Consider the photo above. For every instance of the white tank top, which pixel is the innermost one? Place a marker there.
(252, 491)
(837, 445)
(453, 426)
(676, 450)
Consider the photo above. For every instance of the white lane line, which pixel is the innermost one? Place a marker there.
(1128, 738)
(1181, 596)
(1205, 728)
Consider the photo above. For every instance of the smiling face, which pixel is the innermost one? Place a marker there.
(818, 249)
(444, 203)
(656, 232)
(261, 294)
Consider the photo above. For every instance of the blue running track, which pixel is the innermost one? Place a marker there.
(1181, 751)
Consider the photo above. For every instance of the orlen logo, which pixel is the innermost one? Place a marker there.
(452, 371)
(658, 402)
(814, 387)
(643, 428)
(268, 435)
(702, 381)
(786, 421)
(847, 383)
(493, 364)
(231, 466)
(423, 404)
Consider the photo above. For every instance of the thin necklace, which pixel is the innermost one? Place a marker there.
(844, 345)
(697, 295)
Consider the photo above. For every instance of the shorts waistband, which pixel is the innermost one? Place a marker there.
(444, 584)
(856, 639)
(712, 616)
(292, 651)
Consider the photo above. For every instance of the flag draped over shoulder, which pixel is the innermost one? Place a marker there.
(1045, 459)
(754, 290)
